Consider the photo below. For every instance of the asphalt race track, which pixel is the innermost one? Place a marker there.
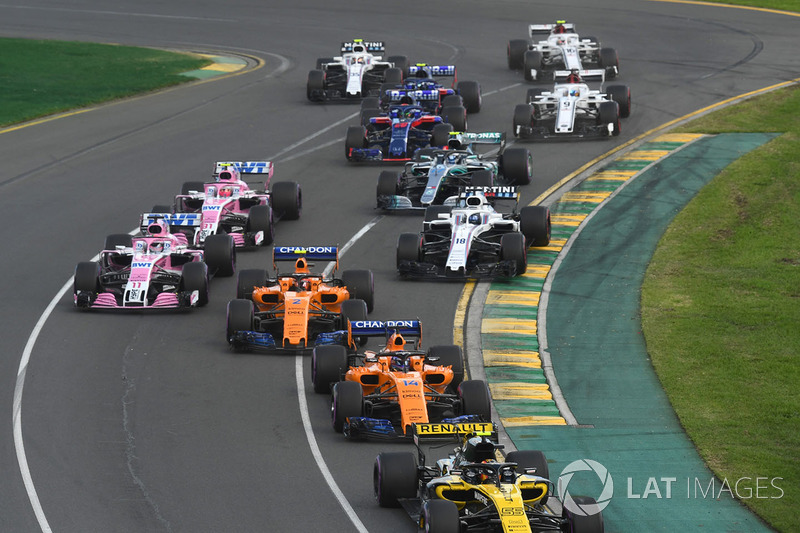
(148, 422)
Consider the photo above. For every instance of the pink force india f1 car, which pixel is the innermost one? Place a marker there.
(157, 270)
(228, 205)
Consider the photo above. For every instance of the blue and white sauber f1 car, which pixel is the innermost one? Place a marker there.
(356, 73)
(572, 110)
(468, 238)
(561, 49)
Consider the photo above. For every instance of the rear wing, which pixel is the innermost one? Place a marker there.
(538, 30)
(369, 46)
(260, 168)
(461, 139)
(454, 430)
(418, 95)
(590, 75)
(431, 70)
(379, 328)
(491, 193)
(185, 220)
(315, 253)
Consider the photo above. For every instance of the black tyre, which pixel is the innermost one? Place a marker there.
(609, 60)
(532, 95)
(394, 476)
(388, 182)
(260, 219)
(441, 134)
(315, 84)
(240, 317)
(621, 94)
(534, 223)
(328, 366)
(517, 166)
(248, 280)
(384, 98)
(287, 199)
(220, 255)
(452, 100)
(475, 399)
(356, 138)
(449, 355)
(400, 62)
(189, 186)
(408, 248)
(354, 310)
(348, 400)
(530, 459)
(523, 117)
(592, 523)
(607, 113)
(194, 277)
(440, 516)
(482, 178)
(532, 65)
(456, 116)
(117, 239)
(426, 154)
(370, 102)
(161, 208)
(512, 248)
(516, 53)
(393, 75)
(367, 114)
(360, 284)
(323, 60)
(87, 277)
(470, 92)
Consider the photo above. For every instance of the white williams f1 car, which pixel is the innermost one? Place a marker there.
(572, 110)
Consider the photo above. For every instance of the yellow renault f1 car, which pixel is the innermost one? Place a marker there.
(474, 489)
(299, 310)
(381, 394)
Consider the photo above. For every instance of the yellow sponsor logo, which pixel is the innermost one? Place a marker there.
(454, 429)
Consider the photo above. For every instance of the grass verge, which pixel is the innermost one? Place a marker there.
(721, 310)
(39, 78)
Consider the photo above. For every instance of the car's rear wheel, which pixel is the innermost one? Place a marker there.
(220, 254)
(448, 355)
(512, 248)
(394, 476)
(527, 459)
(517, 166)
(248, 280)
(534, 223)
(516, 53)
(440, 516)
(470, 92)
(367, 114)
(287, 199)
(328, 365)
(408, 248)
(356, 138)
(360, 284)
(240, 317)
(194, 277)
(400, 62)
(348, 401)
(475, 399)
(260, 219)
(161, 208)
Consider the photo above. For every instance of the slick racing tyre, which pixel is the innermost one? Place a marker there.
(328, 365)
(475, 400)
(456, 116)
(609, 60)
(440, 516)
(400, 62)
(370, 102)
(394, 476)
(608, 113)
(360, 284)
(161, 208)
(260, 219)
(356, 138)
(532, 94)
(516, 53)
(448, 355)
(248, 280)
(432, 212)
(534, 223)
(87, 277)
(532, 67)
(194, 277)
(393, 75)
(118, 239)
(240, 318)
(388, 182)
(441, 134)
(408, 248)
(367, 114)
(220, 255)
(470, 92)
(354, 310)
(315, 86)
(287, 199)
(512, 248)
(526, 459)
(523, 117)
(348, 401)
(621, 94)
(517, 166)
(580, 523)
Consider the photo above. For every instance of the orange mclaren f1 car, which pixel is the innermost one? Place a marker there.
(380, 394)
(300, 310)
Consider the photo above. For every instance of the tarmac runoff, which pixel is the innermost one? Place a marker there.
(604, 233)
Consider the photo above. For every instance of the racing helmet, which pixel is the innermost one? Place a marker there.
(452, 159)
(156, 247)
(559, 28)
(507, 475)
(410, 112)
(225, 192)
(478, 450)
(360, 60)
(474, 219)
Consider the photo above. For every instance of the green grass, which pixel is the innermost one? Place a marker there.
(39, 78)
(781, 5)
(721, 308)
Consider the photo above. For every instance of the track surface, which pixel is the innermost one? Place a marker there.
(148, 422)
